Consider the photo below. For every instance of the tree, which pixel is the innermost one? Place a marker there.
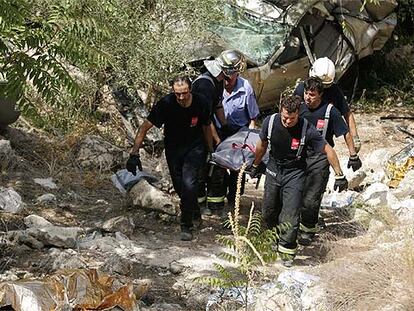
(39, 38)
(152, 39)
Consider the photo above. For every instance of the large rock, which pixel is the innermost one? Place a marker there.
(94, 152)
(379, 194)
(162, 169)
(10, 200)
(121, 223)
(145, 195)
(65, 237)
(356, 179)
(374, 163)
(405, 211)
(35, 221)
(295, 290)
(406, 186)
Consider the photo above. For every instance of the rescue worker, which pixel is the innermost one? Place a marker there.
(210, 85)
(324, 69)
(186, 121)
(240, 110)
(288, 137)
(329, 122)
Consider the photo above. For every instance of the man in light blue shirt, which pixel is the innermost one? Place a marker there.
(239, 102)
(240, 110)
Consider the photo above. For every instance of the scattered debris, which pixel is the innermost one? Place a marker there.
(399, 164)
(69, 290)
(47, 183)
(46, 198)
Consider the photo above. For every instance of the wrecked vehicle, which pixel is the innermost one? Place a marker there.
(282, 38)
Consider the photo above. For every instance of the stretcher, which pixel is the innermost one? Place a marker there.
(236, 150)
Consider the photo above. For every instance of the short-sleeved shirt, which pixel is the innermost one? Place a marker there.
(183, 127)
(284, 142)
(336, 126)
(207, 86)
(240, 107)
(332, 95)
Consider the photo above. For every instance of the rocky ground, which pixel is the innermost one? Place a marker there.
(60, 211)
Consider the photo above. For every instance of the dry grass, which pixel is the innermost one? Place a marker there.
(371, 280)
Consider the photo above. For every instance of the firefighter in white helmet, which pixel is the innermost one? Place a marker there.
(324, 69)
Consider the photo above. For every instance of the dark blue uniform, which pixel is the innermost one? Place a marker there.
(317, 166)
(184, 147)
(332, 95)
(285, 176)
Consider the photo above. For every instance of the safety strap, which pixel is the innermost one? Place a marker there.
(327, 116)
(270, 127)
(243, 146)
(302, 138)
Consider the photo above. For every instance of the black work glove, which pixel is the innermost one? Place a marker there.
(256, 170)
(354, 162)
(132, 164)
(340, 183)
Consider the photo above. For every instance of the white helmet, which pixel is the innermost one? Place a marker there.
(324, 69)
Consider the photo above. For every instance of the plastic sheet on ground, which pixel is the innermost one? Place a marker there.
(69, 290)
(124, 180)
(238, 149)
(398, 165)
(334, 200)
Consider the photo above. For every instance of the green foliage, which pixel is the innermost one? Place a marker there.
(153, 39)
(39, 39)
(131, 44)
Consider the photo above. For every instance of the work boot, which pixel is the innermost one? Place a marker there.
(197, 222)
(287, 260)
(306, 238)
(288, 263)
(186, 234)
(216, 209)
(206, 211)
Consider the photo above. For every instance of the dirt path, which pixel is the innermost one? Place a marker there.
(153, 251)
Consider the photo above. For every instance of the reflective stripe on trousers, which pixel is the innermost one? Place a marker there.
(282, 201)
(285, 250)
(215, 199)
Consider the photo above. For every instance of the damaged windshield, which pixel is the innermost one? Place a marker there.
(256, 37)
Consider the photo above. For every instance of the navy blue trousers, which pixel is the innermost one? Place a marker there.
(184, 164)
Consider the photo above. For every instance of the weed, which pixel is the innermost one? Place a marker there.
(249, 247)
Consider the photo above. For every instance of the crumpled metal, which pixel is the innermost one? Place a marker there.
(78, 289)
